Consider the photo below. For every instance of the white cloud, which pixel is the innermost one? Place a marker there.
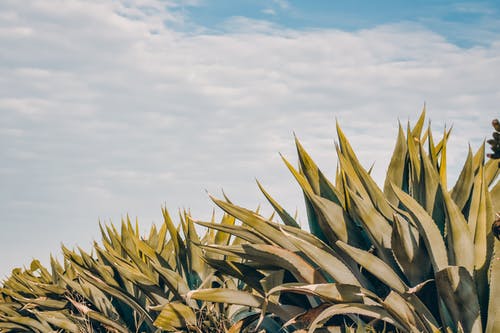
(283, 4)
(105, 110)
(474, 8)
(269, 11)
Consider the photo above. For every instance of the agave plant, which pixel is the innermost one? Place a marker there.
(32, 301)
(126, 284)
(414, 256)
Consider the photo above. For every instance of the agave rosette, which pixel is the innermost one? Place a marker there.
(414, 256)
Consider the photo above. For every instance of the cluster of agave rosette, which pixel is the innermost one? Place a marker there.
(413, 256)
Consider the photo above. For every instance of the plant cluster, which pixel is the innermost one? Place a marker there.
(413, 256)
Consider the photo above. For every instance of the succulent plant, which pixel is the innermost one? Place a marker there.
(126, 284)
(414, 256)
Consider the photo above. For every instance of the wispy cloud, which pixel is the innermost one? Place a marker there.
(269, 11)
(474, 8)
(106, 110)
(283, 4)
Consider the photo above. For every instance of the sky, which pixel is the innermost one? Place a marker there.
(109, 108)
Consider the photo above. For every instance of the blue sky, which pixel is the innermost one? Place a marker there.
(463, 23)
(116, 107)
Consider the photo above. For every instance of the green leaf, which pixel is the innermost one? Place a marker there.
(462, 189)
(375, 266)
(283, 258)
(409, 251)
(58, 319)
(175, 316)
(460, 244)
(371, 311)
(285, 217)
(231, 296)
(403, 312)
(458, 291)
(396, 170)
(256, 222)
(375, 225)
(480, 219)
(427, 229)
(417, 130)
(330, 292)
(493, 323)
(327, 261)
(236, 230)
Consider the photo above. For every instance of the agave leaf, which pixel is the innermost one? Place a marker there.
(144, 249)
(376, 266)
(95, 296)
(179, 248)
(426, 316)
(327, 261)
(493, 323)
(491, 170)
(429, 182)
(461, 191)
(344, 144)
(495, 197)
(242, 272)
(337, 221)
(364, 183)
(33, 324)
(280, 257)
(270, 281)
(480, 218)
(460, 244)
(352, 180)
(458, 291)
(162, 236)
(175, 282)
(256, 222)
(119, 294)
(236, 230)
(9, 309)
(222, 237)
(442, 143)
(376, 226)
(396, 170)
(372, 311)
(58, 319)
(403, 312)
(175, 316)
(442, 165)
(409, 251)
(108, 323)
(197, 268)
(414, 158)
(330, 292)
(231, 296)
(431, 148)
(11, 327)
(319, 184)
(427, 229)
(285, 217)
(241, 324)
(317, 225)
(417, 130)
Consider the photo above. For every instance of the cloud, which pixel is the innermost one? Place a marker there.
(283, 4)
(474, 8)
(269, 11)
(107, 109)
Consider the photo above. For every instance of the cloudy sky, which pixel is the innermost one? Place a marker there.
(116, 107)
